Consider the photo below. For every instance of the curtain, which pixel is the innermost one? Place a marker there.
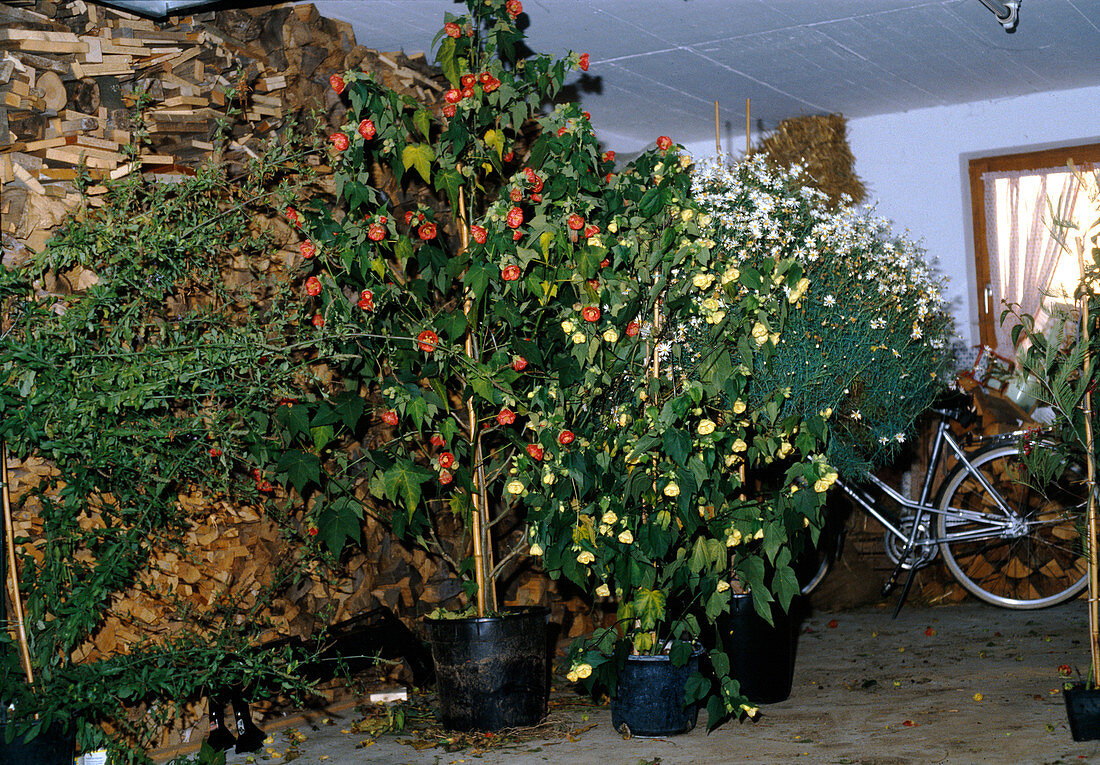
(1024, 256)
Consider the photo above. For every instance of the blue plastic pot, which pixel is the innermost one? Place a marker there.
(649, 699)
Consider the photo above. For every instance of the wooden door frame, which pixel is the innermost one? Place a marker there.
(1081, 155)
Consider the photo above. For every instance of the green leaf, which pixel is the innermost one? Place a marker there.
(403, 482)
(649, 606)
(420, 156)
(338, 522)
(445, 57)
(495, 139)
(422, 119)
(301, 468)
(295, 419)
(322, 435)
(696, 688)
(677, 445)
(680, 653)
(449, 181)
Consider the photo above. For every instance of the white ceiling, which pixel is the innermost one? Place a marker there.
(658, 66)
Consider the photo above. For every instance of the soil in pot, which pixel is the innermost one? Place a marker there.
(649, 699)
(492, 672)
(1083, 712)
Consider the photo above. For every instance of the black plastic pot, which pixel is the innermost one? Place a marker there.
(1083, 711)
(649, 699)
(52, 746)
(492, 672)
(761, 655)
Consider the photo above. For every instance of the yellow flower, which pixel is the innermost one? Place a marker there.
(609, 518)
(611, 335)
(514, 487)
(702, 281)
(548, 478)
(738, 406)
(595, 241)
(583, 670)
(731, 460)
(578, 338)
(760, 333)
(624, 420)
(774, 337)
(626, 537)
(716, 317)
(705, 427)
(723, 586)
(536, 549)
(704, 220)
(671, 489)
(603, 591)
(585, 558)
(785, 448)
(827, 412)
(685, 161)
(731, 274)
(823, 484)
(733, 539)
(568, 326)
(710, 304)
(750, 711)
(686, 214)
(613, 227)
(739, 445)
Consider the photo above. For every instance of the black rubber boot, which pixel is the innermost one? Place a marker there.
(249, 737)
(220, 738)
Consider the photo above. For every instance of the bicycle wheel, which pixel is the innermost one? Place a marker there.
(1029, 557)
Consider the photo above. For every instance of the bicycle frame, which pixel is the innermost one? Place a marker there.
(921, 535)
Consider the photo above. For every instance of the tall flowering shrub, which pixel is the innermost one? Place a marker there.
(867, 335)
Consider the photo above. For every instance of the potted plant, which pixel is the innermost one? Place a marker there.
(431, 283)
(1061, 366)
(698, 456)
(137, 383)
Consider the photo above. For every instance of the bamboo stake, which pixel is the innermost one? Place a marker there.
(748, 126)
(477, 498)
(1090, 463)
(717, 140)
(17, 601)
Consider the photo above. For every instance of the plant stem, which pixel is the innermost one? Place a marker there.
(1090, 456)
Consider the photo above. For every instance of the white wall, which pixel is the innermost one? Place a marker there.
(915, 167)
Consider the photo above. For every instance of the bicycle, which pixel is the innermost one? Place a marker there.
(1007, 539)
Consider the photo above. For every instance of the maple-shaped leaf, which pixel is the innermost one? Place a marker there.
(649, 606)
(403, 482)
(420, 156)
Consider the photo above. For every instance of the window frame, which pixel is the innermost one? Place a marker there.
(1081, 155)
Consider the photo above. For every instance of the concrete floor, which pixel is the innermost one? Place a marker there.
(957, 684)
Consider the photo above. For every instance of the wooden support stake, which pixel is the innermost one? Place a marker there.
(717, 138)
(748, 127)
(1093, 522)
(16, 600)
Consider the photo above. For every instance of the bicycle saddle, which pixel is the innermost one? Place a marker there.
(955, 405)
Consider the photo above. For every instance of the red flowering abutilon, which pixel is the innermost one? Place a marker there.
(565, 437)
(337, 83)
(510, 273)
(506, 416)
(307, 248)
(427, 341)
(313, 286)
(366, 129)
(591, 313)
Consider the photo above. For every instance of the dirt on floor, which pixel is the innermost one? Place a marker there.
(956, 684)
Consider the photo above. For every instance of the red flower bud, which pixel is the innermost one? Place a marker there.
(376, 232)
(452, 96)
(449, 110)
(479, 234)
(582, 62)
(594, 284)
(506, 416)
(516, 195)
(265, 486)
(436, 440)
(468, 81)
(366, 300)
(446, 459)
(339, 140)
(632, 329)
(605, 263)
(514, 218)
(215, 451)
(508, 156)
(565, 437)
(445, 477)
(517, 235)
(366, 129)
(313, 286)
(337, 83)
(409, 216)
(514, 8)
(510, 273)
(609, 156)
(318, 320)
(536, 198)
(562, 131)
(467, 92)
(591, 313)
(591, 230)
(664, 143)
(313, 531)
(535, 450)
(491, 84)
(307, 248)
(575, 222)
(427, 341)
(519, 363)
(452, 29)
(292, 216)
(389, 417)
(427, 231)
